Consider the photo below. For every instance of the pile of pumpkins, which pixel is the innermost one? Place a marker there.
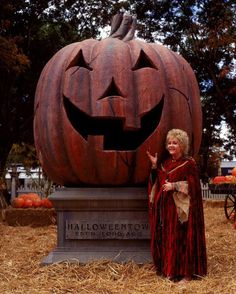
(31, 200)
(229, 179)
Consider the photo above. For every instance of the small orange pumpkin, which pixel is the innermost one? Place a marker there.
(28, 203)
(219, 180)
(46, 203)
(37, 203)
(18, 202)
(233, 172)
(230, 179)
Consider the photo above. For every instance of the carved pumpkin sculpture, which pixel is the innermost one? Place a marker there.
(100, 105)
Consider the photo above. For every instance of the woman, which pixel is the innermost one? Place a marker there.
(176, 212)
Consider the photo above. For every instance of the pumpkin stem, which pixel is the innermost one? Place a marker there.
(123, 27)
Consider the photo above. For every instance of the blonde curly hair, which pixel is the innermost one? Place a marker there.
(182, 137)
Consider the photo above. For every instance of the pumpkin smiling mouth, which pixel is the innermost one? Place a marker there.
(111, 129)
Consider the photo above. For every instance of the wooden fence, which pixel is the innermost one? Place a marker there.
(207, 194)
(33, 189)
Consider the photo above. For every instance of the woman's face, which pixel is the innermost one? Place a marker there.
(174, 147)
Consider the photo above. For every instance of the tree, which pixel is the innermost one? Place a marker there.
(12, 65)
(34, 30)
(31, 32)
(203, 32)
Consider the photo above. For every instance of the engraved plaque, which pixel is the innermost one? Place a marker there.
(122, 229)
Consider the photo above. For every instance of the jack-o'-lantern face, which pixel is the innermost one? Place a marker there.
(110, 99)
(100, 105)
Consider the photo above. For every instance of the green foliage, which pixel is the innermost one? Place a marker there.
(24, 154)
(203, 32)
(12, 61)
(31, 32)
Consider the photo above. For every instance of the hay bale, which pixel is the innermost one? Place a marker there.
(34, 217)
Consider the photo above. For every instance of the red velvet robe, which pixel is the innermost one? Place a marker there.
(178, 249)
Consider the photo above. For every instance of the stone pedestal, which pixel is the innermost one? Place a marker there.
(101, 223)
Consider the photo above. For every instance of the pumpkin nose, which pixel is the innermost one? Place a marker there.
(112, 91)
(117, 98)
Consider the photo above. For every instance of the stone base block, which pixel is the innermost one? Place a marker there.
(101, 223)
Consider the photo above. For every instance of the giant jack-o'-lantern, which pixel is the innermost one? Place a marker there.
(100, 105)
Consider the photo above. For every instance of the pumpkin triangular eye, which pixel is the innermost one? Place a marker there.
(143, 61)
(112, 90)
(79, 61)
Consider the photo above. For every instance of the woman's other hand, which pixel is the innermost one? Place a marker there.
(153, 159)
(168, 186)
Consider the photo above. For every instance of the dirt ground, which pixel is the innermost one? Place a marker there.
(24, 247)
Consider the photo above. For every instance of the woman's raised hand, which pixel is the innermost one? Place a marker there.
(153, 159)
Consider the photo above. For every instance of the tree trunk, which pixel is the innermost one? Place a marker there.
(4, 195)
(4, 199)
